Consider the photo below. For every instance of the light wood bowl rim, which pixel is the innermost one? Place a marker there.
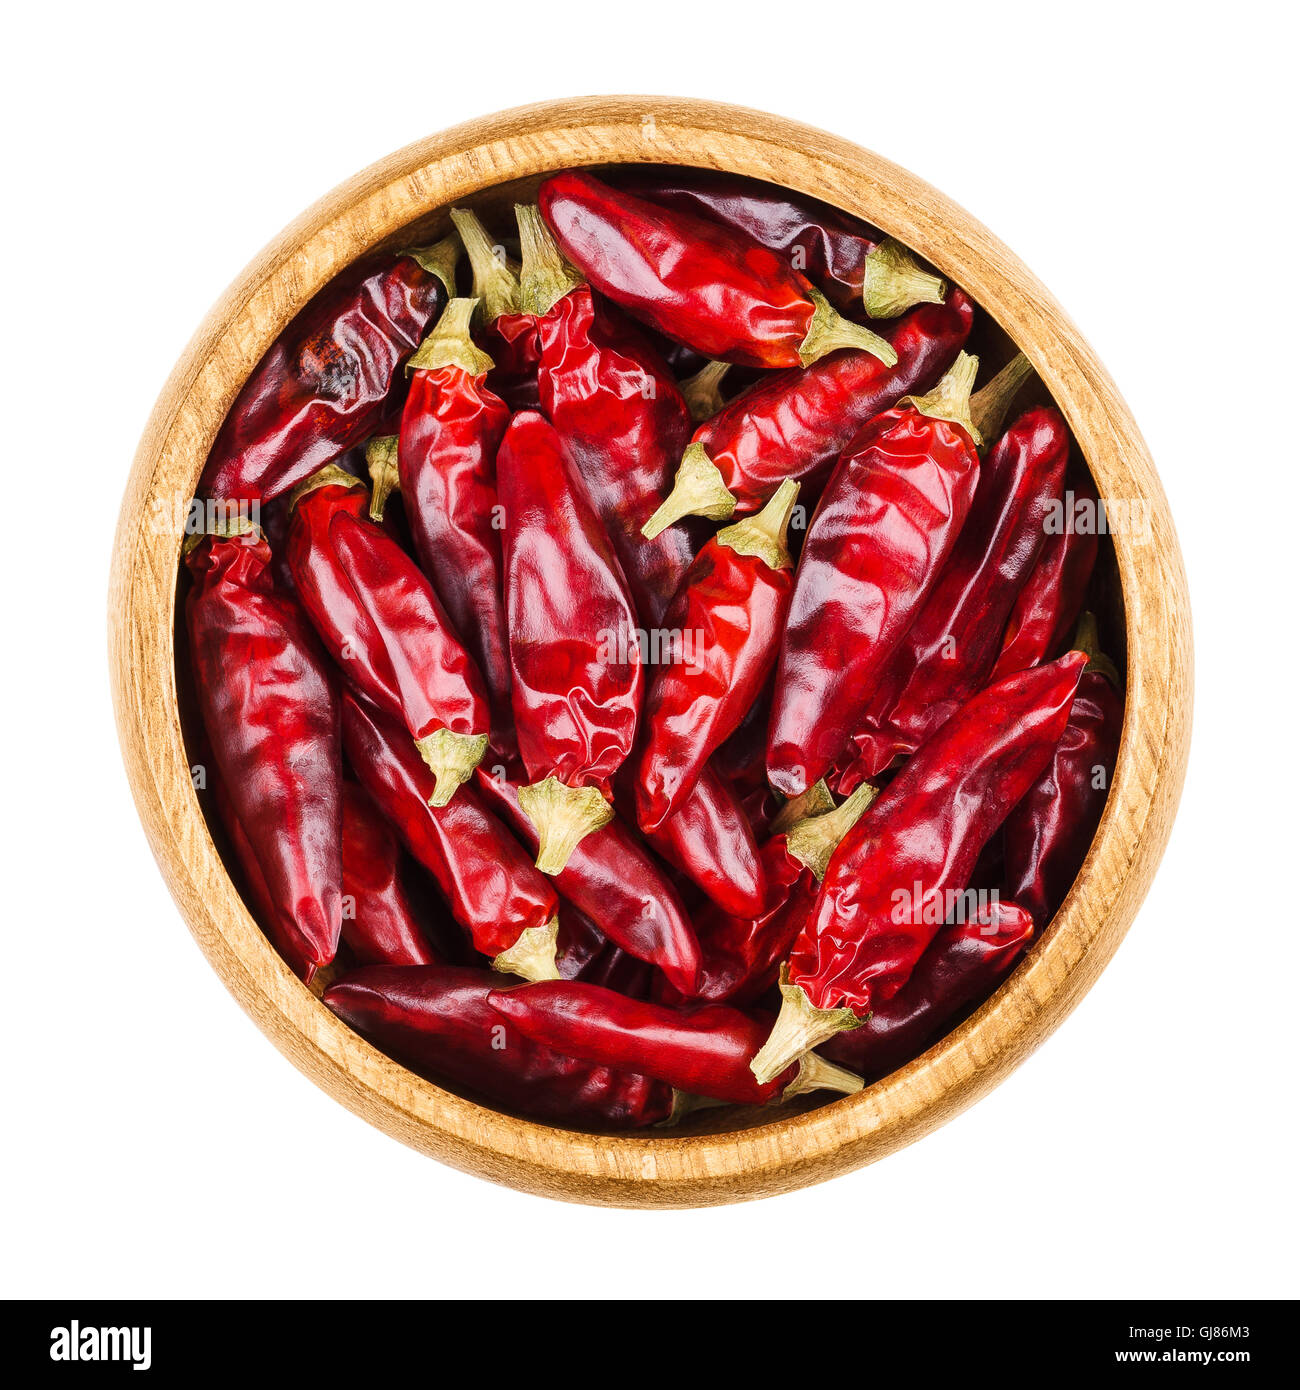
(641, 1169)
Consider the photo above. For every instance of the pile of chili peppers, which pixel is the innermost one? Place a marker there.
(634, 650)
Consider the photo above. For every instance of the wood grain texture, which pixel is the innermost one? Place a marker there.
(485, 163)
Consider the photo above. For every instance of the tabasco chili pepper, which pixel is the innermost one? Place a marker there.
(436, 1020)
(383, 624)
(705, 1052)
(886, 892)
(876, 545)
(451, 430)
(574, 647)
(854, 265)
(1047, 836)
(1048, 606)
(795, 424)
(271, 712)
(494, 892)
(961, 966)
(617, 410)
(379, 923)
(732, 603)
(324, 383)
(949, 651)
(611, 877)
(706, 286)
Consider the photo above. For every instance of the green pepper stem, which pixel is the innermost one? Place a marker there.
(1088, 641)
(829, 331)
(562, 816)
(687, 1103)
(798, 1029)
(817, 1074)
(893, 280)
(989, 405)
(496, 280)
(698, 490)
(439, 259)
(814, 839)
(815, 801)
(329, 476)
(765, 533)
(532, 957)
(452, 759)
(381, 464)
(546, 277)
(449, 345)
(950, 399)
(702, 391)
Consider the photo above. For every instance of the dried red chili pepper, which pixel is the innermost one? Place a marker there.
(705, 1052)
(876, 545)
(379, 923)
(612, 878)
(887, 890)
(795, 424)
(617, 409)
(1047, 836)
(693, 280)
(508, 908)
(383, 624)
(324, 383)
(574, 649)
(1049, 605)
(271, 712)
(949, 651)
(854, 265)
(963, 964)
(451, 429)
(436, 1020)
(731, 606)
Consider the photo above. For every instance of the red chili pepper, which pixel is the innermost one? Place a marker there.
(451, 429)
(963, 964)
(693, 280)
(949, 651)
(854, 265)
(612, 878)
(896, 876)
(731, 609)
(710, 841)
(508, 908)
(617, 409)
(271, 713)
(705, 1052)
(796, 424)
(1047, 836)
(379, 924)
(574, 648)
(742, 952)
(324, 383)
(878, 542)
(1049, 605)
(436, 1020)
(384, 626)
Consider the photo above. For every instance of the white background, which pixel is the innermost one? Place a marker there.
(155, 1143)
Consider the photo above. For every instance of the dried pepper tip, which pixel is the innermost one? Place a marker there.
(893, 280)
(830, 331)
(329, 476)
(496, 278)
(1088, 641)
(989, 405)
(698, 490)
(686, 1103)
(449, 345)
(817, 1074)
(798, 1029)
(546, 277)
(764, 534)
(815, 801)
(532, 957)
(702, 393)
(439, 259)
(813, 840)
(381, 463)
(562, 815)
(452, 759)
(950, 400)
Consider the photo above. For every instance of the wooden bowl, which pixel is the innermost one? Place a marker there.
(484, 163)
